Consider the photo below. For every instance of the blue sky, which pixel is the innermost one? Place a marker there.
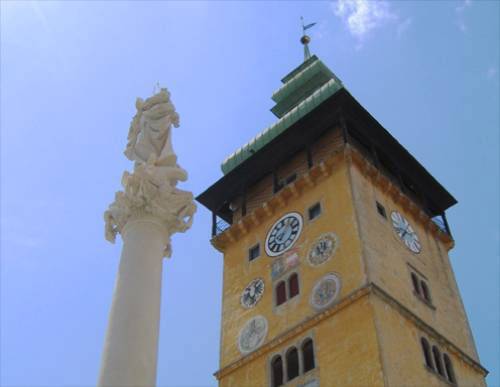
(70, 73)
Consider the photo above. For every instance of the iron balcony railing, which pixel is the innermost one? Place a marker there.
(438, 221)
(219, 226)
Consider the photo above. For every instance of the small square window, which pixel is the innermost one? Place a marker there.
(381, 210)
(254, 252)
(314, 211)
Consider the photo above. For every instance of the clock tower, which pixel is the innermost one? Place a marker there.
(335, 244)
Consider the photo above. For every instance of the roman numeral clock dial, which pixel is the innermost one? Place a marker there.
(283, 234)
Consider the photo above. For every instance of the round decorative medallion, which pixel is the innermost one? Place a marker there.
(405, 232)
(323, 249)
(325, 291)
(283, 234)
(252, 293)
(253, 334)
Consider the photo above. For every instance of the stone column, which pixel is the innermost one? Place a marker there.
(146, 214)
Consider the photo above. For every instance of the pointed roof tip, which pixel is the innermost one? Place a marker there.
(305, 39)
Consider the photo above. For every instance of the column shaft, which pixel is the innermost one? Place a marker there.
(131, 346)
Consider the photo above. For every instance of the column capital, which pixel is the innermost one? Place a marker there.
(143, 199)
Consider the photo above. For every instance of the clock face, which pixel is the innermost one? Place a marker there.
(325, 291)
(283, 234)
(323, 249)
(253, 334)
(252, 293)
(405, 232)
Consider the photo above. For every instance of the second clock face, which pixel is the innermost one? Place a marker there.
(405, 232)
(283, 234)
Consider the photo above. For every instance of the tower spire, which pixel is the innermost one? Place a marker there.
(305, 39)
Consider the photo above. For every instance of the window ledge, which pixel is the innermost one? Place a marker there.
(439, 376)
(422, 299)
(304, 379)
(290, 302)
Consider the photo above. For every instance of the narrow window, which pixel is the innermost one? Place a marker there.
(425, 291)
(254, 252)
(314, 211)
(449, 369)
(280, 293)
(308, 355)
(437, 360)
(414, 280)
(427, 353)
(277, 372)
(293, 285)
(381, 210)
(292, 363)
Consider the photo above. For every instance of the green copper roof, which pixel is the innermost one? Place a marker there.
(300, 86)
(304, 89)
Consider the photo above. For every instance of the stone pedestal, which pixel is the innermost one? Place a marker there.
(131, 347)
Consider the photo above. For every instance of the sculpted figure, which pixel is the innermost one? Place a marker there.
(150, 131)
(151, 188)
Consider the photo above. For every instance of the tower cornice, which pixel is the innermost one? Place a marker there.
(313, 177)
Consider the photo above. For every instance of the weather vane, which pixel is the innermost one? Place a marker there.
(305, 39)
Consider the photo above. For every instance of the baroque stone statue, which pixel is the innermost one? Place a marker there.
(151, 188)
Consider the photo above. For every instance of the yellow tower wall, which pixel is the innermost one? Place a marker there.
(334, 194)
(337, 354)
(389, 261)
(402, 356)
(371, 335)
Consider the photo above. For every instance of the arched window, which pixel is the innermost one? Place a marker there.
(425, 291)
(292, 363)
(277, 372)
(293, 285)
(308, 355)
(437, 360)
(449, 368)
(414, 279)
(426, 349)
(280, 293)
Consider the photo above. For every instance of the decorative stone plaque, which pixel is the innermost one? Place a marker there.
(323, 249)
(325, 292)
(252, 293)
(252, 335)
(285, 263)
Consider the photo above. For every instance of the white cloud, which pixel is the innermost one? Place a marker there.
(460, 10)
(363, 16)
